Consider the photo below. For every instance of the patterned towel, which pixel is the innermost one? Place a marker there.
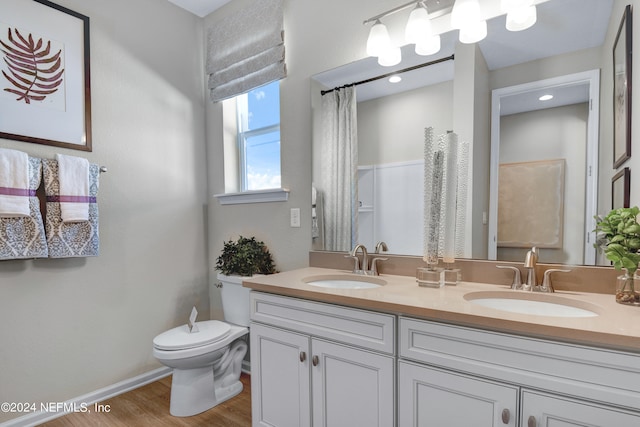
(70, 239)
(23, 237)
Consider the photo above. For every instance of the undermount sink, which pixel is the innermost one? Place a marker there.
(537, 304)
(345, 281)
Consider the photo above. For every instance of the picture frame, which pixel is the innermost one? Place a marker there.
(621, 189)
(622, 90)
(54, 108)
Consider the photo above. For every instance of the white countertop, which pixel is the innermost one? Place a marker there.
(617, 326)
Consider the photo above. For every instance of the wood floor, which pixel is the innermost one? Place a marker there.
(149, 406)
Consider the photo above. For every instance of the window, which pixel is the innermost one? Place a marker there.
(258, 139)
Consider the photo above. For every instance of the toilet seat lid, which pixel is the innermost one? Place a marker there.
(180, 338)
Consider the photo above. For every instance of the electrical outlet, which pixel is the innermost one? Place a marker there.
(295, 217)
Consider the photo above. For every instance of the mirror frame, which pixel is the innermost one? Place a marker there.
(592, 78)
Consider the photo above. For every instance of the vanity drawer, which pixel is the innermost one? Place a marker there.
(594, 373)
(366, 329)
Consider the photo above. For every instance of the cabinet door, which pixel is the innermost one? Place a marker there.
(280, 389)
(351, 387)
(541, 410)
(429, 397)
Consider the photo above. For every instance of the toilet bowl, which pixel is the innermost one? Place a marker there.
(207, 363)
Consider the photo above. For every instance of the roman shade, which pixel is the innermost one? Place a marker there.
(246, 49)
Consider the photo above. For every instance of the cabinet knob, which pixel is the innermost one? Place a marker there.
(315, 360)
(531, 422)
(303, 356)
(506, 416)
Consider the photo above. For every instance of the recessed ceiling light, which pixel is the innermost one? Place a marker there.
(545, 97)
(395, 79)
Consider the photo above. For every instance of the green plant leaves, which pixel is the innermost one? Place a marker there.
(619, 237)
(245, 257)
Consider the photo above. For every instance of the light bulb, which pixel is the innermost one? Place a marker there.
(428, 46)
(473, 33)
(464, 13)
(378, 39)
(418, 26)
(521, 19)
(390, 56)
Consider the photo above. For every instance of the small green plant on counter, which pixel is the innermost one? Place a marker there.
(618, 235)
(245, 257)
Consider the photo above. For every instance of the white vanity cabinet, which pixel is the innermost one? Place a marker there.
(429, 396)
(319, 364)
(456, 376)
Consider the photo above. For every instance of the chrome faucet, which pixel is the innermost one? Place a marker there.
(530, 262)
(365, 266)
(360, 268)
(381, 246)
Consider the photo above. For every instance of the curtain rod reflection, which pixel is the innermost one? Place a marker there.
(404, 70)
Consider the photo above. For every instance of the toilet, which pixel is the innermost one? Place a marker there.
(207, 364)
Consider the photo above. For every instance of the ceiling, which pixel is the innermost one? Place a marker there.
(200, 8)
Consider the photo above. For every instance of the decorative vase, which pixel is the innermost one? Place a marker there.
(626, 289)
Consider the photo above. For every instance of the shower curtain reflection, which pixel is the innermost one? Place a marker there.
(339, 166)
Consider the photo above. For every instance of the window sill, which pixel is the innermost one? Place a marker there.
(256, 196)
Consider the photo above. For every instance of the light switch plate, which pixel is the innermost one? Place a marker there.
(295, 217)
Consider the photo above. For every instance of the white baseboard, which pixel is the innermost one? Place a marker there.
(39, 417)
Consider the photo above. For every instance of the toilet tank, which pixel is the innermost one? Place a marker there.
(235, 300)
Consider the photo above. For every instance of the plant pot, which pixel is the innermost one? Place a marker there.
(626, 289)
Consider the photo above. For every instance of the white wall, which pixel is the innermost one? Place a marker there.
(72, 326)
(391, 129)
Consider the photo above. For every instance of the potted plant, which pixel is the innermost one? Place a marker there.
(619, 237)
(245, 257)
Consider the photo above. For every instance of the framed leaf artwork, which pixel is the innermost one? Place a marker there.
(45, 95)
(622, 90)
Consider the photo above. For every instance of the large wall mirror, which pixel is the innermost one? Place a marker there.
(511, 130)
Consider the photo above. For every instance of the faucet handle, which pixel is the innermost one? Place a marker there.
(546, 280)
(517, 281)
(374, 265)
(356, 260)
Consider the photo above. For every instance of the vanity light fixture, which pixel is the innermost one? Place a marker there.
(465, 13)
(521, 14)
(474, 32)
(417, 31)
(466, 16)
(378, 39)
(420, 32)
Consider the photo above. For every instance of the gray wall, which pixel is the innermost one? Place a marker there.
(73, 326)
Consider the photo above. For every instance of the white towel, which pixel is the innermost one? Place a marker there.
(73, 176)
(14, 183)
